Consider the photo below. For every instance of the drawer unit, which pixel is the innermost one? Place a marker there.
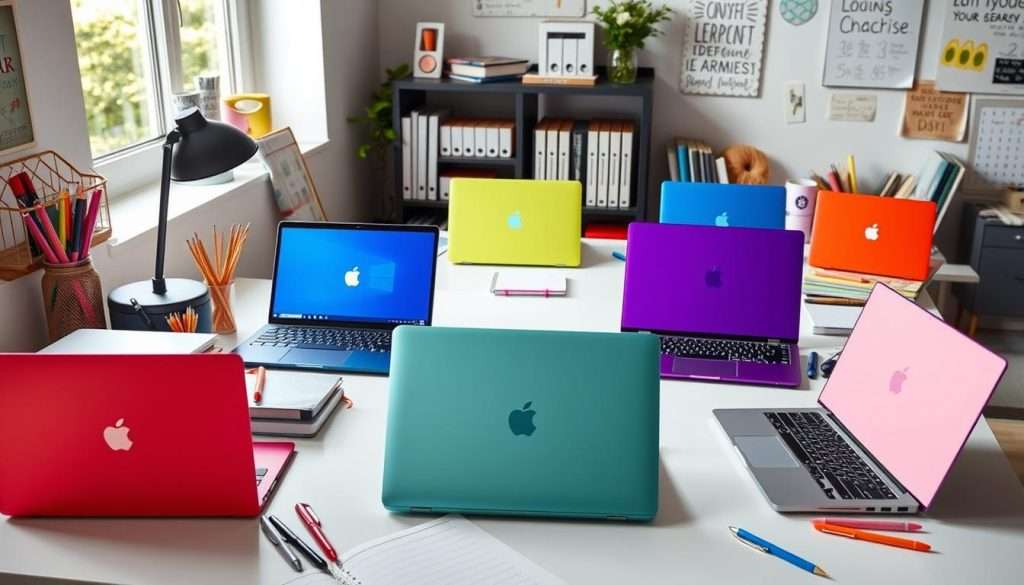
(999, 236)
(996, 252)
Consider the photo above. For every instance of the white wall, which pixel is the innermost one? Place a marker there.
(340, 29)
(791, 53)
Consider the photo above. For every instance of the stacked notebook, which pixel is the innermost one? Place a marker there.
(487, 69)
(692, 161)
(838, 287)
(293, 406)
(598, 154)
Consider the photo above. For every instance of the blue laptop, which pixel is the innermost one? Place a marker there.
(750, 206)
(339, 290)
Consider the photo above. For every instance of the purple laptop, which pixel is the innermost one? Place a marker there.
(725, 301)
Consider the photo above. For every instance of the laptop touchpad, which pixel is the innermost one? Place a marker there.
(704, 368)
(324, 358)
(765, 452)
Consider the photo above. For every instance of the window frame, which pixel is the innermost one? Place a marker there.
(137, 165)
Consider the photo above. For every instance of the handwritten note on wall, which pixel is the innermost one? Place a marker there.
(723, 44)
(934, 115)
(873, 43)
(982, 47)
(852, 107)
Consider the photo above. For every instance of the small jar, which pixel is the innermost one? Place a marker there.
(72, 298)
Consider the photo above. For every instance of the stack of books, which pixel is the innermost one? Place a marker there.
(598, 154)
(487, 69)
(938, 182)
(692, 161)
(293, 406)
(837, 287)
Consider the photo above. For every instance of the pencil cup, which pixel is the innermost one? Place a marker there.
(72, 298)
(801, 197)
(223, 316)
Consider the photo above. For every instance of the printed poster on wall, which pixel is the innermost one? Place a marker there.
(566, 8)
(15, 118)
(723, 44)
(982, 47)
(873, 43)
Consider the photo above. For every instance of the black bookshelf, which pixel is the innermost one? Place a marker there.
(411, 93)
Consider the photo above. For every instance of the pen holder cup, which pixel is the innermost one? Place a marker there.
(72, 299)
(222, 296)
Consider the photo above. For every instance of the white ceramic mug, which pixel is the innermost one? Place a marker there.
(801, 197)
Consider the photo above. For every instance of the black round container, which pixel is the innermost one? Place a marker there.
(134, 306)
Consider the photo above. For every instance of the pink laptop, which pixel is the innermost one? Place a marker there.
(131, 435)
(895, 413)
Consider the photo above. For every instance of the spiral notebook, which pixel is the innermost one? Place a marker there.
(448, 551)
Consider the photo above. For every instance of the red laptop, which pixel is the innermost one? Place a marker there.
(131, 435)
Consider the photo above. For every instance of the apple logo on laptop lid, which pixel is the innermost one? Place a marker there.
(520, 421)
(116, 436)
(515, 220)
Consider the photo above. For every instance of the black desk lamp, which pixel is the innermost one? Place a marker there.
(197, 149)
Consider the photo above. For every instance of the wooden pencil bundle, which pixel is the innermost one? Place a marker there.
(219, 273)
(184, 323)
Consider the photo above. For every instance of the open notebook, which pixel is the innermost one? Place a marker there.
(448, 551)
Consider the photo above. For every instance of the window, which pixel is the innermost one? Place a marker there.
(134, 55)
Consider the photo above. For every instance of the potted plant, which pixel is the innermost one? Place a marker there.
(627, 25)
(377, 120)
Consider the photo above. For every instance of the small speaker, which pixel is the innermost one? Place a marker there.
(428, 57)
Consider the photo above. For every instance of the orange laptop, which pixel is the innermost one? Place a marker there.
(872, 234)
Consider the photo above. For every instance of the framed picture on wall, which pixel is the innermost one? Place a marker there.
(16, 130)
(294, 191)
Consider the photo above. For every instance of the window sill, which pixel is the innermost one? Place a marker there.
(134, 213)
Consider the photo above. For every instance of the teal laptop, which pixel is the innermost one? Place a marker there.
(523, 423)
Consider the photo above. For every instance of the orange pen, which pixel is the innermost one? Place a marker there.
(872, 537)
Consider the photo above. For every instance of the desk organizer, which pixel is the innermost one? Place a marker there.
(51, 175)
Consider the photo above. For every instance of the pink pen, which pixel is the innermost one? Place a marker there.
(884, 525)
(37, 235)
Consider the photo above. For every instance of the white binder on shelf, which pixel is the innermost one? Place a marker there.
(570, 46)
(446, 139)
(564, 141)
(444, 187)
(554, 56)
(552, 149)
(433, 147)
(456, 127)
(626, 174)
(614, 163)
(540, 157)
(468, 133)
(505, 129)
(480, 138)
(603, 150)
(492, 138)
(591, 186)
(422, 138)
(406, 157)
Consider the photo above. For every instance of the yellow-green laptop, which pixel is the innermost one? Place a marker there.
(508, 221)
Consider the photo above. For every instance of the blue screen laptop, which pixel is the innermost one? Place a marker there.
(751, 206)
(339, 290)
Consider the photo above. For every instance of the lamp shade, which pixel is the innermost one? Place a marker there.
(207, 148)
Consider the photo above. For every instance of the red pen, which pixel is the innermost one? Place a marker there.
(309, 518)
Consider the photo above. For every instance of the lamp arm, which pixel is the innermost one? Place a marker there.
(159, 285)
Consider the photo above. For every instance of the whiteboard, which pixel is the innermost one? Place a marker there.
(873, 44)
(571, 8)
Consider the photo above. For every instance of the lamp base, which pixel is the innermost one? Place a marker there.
(135, 306)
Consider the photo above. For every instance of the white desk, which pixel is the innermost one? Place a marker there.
(976, 527)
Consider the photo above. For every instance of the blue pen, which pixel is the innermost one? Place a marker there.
(619, 256)
(812, 366)
(761, 545)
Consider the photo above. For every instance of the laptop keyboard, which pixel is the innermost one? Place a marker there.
(326, 338)
(759, 352)
(839, 471)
